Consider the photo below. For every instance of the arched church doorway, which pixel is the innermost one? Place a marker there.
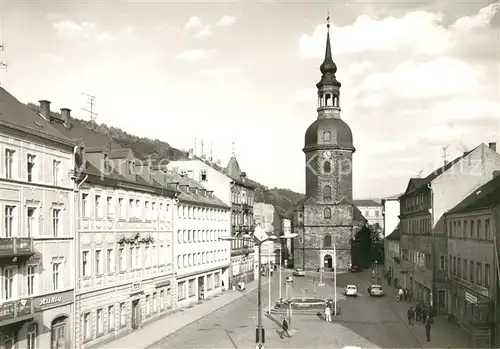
(327, 262)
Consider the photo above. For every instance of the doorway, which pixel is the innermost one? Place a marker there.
(328, 262)
(136, 314)
(59, 333)
(441, 300)
(201, 288)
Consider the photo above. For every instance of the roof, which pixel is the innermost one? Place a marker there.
(366, 202)
(17, 115)
(419, 183)
(340, 133)
(393, 197)
(485, 196)
(233, 169)
(395, 235)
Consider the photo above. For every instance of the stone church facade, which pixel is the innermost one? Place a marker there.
(327, 216)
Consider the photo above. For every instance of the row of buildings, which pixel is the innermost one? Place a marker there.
(94, 242)
(443, 244)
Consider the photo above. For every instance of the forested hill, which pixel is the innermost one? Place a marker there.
(157, 149)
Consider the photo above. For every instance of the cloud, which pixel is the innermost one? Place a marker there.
(445, 132)
(205, 31)
(220, 72)
(481, 20)
(194, 55)
(306, 94)
(384, 147)
(53, 58)
(412, 79)
(226, 21)
(467, 109)
(193, 22)
(72, 30)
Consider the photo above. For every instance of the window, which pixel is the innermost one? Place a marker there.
(327, 167)
(32, 335)
(487, 275)
(56, 269)
(192, 289)
(155, 302)
(471, 271)
(327, 193)
(9, 221)
(327, 241)
(109, 206)
(147, 257)
(122, 315)
(162, 300)
(8, 283)
(30, 167)
(179, 262)
(99, 327)
(479, 275)
(131, 258)
(111, 318)
(56, 221)
(203, 175)
(9, 163)
(31, 215)
(181, 290)
(121, 259)
(85, 205)
(487, 232)
(137, 257)
(146, 210)
(97, 206)
(110, 262)
(98, 261)
(442, 262)
(327, 213)
(56, 168)
(131, 208)
(327, 137)
(148, 305)
(121, 205)
(30, 275)
(85, 263)
(86, 326)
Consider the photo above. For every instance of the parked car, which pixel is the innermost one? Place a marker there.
(299, 272)
(351, 290)
(375, 291)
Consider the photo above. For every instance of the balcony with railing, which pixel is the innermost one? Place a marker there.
(16, 311)
(16, 247)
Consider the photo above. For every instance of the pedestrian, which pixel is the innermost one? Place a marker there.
(428, 331)
(328, 313)
(400, 294)
(418, 312)
(284, 329)
(424, 314)
(410, 315)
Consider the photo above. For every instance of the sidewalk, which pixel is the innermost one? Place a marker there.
(154, 331)
(443, 333)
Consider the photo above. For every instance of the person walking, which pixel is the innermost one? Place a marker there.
(328, 313)
(411, 315)
(418, 312)
(424, 314)
(428, 331)
(284, 328)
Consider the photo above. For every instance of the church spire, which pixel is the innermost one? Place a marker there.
(328, 65)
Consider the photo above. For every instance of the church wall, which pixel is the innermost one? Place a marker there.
(340, 215)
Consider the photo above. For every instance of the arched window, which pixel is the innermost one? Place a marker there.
(328, 100)
(327, 137)
(327, 241)
(327, 167)
(59, 333)
(327, 193)
(327, 213)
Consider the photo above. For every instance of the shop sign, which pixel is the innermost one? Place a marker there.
(163, 284)
(470, 298)
(54, 300)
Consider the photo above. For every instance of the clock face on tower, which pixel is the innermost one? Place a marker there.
(327, 154)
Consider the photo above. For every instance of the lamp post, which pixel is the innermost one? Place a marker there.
(259, 236)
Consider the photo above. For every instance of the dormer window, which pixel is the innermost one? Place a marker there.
(327, 137)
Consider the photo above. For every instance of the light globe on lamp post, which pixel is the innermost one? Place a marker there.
(259, 236)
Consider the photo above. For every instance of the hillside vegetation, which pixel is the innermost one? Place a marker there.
(156, 149)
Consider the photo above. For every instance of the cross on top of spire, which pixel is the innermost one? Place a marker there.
(328, 19)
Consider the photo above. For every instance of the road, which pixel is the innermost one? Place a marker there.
(364, 321)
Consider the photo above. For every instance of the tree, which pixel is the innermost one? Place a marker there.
(367, 246)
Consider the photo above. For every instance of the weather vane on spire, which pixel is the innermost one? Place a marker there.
(233, 153)
(328, 19)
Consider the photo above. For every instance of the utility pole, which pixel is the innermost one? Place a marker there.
(92, 115)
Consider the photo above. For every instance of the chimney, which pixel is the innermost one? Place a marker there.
(496, 173)
(45, 106)
(191, 153)
(493, 146)
(66, 116)
(203, 191)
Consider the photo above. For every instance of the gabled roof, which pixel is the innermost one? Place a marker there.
(393, 197)
(17, 115)
(365, 202)
(415, 184)
(395, 235)
(233, 168)
(485, 196)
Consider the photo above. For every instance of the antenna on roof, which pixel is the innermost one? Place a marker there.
(194, 150)
(211, 150)
(202, 154)
(445, 154)
(92, 115)
(3, 61)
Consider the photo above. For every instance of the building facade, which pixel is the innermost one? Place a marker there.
(390, 213)
(471, 228)
(392, 255)
(36, 235)
(327, 216)
(269, 219)
(423, 238)
(232, 186)
(287, 244)
(372, 211)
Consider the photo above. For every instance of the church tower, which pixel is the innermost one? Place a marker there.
(328, 213)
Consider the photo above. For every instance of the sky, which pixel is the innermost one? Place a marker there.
(416, 77)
